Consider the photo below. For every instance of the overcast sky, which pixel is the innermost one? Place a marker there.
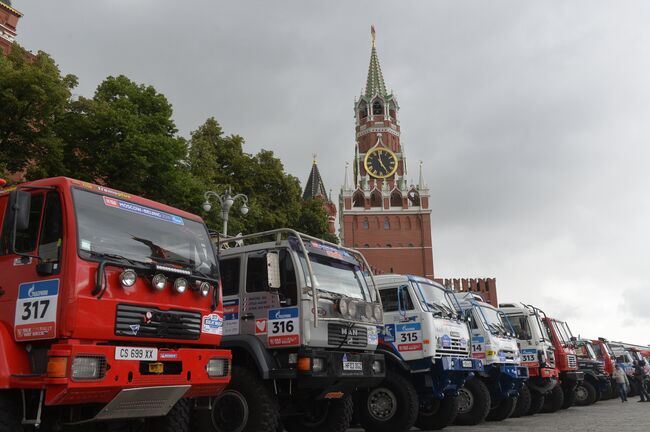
(532, 119)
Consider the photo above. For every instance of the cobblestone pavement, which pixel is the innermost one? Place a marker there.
(604, 416)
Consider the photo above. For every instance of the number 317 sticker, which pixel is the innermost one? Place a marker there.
(36, 310)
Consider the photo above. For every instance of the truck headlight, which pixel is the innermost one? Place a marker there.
(180, 285)
(204, 289)
(352, 309)
(318, 364)
(159, 281)
(367, 310)
(128, 278)
(217, 367)
(378, 313)
(88, 368)
(377, 367)
(343, 307)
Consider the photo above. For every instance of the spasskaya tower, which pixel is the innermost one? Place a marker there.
(382, 215)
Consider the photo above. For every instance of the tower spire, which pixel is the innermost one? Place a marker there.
(375, 83)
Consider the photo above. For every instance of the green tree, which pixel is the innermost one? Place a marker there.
(125, 137)
(33, 96)
(217, 161)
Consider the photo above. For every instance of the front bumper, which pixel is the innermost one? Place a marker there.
(449, 374)
(505, 380)
(173, 368)
(338, 376)
(571, 378)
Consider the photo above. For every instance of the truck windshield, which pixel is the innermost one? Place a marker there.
(434, 299)
(494, 320)
(561, 331)
(338, 277)
(521, 327)
(108, 226)
(585, 350)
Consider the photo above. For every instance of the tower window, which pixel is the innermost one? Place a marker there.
(358, 199)
(396, 199)
(365, 223)
(375, 198)
(363, 111)
(414, 198)
(377, 108)
(386, 224)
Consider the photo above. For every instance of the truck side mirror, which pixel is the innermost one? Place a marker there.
(273, 269)
(20, 202)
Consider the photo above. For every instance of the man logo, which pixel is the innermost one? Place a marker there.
(135, 328)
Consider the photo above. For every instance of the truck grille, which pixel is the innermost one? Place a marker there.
(572, 361)
(133, 321)
(338, 334)
(456, 349)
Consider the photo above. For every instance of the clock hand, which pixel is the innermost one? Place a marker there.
(382, 164)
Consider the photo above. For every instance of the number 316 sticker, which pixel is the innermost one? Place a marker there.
(283, 327)
(36, 310)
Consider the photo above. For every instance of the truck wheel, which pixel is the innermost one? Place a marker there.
(436, 414)
(10, 412)
(536, 402)
(245, 406)
(473, 403)
(503, 410)
(553, 400)
(176, 420)
(569, 397)
(585, 394)
(323, 416)
(390, 407)
(523, 402)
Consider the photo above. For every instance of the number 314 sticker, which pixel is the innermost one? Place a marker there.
(283, 327)
(36, 310)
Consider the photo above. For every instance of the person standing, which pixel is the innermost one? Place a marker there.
(622, 382)
(640, 377)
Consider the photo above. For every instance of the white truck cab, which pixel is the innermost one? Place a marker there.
(493, 342)
(426, 344)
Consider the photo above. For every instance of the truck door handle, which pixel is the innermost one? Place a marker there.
(247, 316)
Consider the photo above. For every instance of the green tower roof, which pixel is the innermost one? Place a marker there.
(375, 83)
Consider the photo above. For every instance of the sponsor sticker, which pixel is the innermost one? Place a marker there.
(283, 327)
(388, 333)
(36, 307)
(167, 356)
(409, 336)
(529, 357)
(372, 336)
(260, 326)
(231, 317)
(142, 210)
(212, 324)
(445, 341)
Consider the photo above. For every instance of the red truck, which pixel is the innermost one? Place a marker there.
(110, 309)
(566, 362)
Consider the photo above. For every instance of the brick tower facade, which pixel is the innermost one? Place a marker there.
(8, 22)
(380, 213)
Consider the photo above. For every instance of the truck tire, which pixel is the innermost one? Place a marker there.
(176, 420)
(437, 414)
(503, 410)
(569, 397)
(553, 400)
(390, 407)
(10, 412)
(585, 394)
(323, 416)
(523, 402)
(474, 403)
(537, 400)
(245, 406)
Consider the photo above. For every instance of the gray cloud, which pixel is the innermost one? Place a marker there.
(531, 118)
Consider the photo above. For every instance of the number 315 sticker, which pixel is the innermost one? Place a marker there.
(36, 310)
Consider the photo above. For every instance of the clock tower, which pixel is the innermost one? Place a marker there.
(381, 214)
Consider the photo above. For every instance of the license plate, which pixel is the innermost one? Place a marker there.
(467, 363)
(352, 366)
(136, 353)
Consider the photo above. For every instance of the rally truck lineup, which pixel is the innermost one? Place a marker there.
(122, 314)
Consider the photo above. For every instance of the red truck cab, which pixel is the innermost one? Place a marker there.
(566, 361)
(110, 307)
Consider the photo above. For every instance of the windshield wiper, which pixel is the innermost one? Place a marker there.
(118, 257)
(437, 309)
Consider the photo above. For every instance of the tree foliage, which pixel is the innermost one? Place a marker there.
(125, 137)
(33, 96)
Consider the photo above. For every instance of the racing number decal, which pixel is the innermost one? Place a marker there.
(409, 336)
(529, 357)
(283, 327)
(36, 307)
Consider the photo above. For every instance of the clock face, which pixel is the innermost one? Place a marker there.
(380, 163)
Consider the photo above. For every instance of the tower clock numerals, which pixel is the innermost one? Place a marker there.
(380, 163)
